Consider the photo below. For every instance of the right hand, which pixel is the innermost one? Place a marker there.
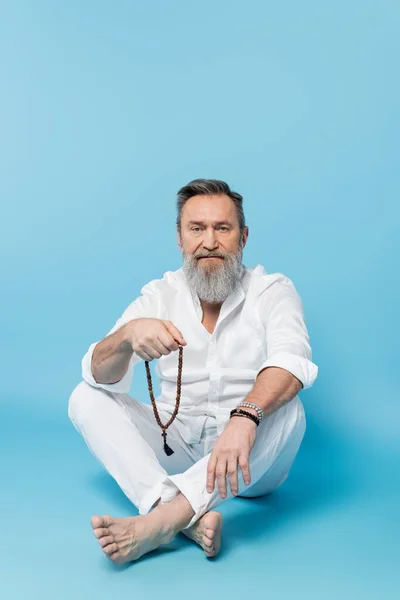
(151, 338)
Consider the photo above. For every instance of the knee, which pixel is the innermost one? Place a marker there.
(82, 401)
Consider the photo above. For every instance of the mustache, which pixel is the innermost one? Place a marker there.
(210, 256)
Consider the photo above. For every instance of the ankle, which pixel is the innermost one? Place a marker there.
(174, 515)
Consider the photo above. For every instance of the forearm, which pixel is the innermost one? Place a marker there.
(273, 388)
(111, 356)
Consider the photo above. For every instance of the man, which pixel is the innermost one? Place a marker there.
(243, 338)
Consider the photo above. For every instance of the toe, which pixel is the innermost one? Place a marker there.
(101, 521)
(110, 548)
(101, 532)
(104, 541)
(210, 533)
(96, 521)
(115, 557)
(107, 520)
(207, 542)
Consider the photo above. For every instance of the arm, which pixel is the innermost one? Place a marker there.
(289, 367)
(273, 388)
(109, 363)
(111, 357)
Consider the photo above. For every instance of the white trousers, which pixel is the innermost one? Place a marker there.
(124, 436)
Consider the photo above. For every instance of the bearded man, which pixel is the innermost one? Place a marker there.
(245, 348)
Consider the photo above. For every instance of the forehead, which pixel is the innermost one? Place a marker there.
(209, 208)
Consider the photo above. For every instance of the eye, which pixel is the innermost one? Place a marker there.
(223, 227)
(195, 228)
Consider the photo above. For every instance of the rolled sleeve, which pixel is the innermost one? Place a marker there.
(147, 305)
(281, 312)
(302, 368)
(119, 387)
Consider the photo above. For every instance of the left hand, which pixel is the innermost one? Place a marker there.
(233, 446)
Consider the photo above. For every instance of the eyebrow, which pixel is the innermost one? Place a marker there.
(215, 223)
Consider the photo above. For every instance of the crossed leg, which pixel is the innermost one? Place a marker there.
(123, 435)
(170, 492)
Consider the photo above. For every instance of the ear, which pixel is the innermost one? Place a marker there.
(178, 237)
(245, 235)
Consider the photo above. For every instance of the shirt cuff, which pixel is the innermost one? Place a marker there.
(299, 366)
(120, 387)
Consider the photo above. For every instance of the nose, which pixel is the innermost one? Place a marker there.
(210, 241)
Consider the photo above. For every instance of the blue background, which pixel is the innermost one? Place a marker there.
(106, 110)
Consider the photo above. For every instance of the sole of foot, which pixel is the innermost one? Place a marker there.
(207, 533)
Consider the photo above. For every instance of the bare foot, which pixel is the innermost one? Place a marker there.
(127, 539)
(207, 532)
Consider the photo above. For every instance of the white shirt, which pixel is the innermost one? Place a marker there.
(261, 324)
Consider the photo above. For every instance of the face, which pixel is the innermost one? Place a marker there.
(211, 246)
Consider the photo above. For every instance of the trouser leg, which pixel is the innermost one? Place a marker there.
(123, 435)
(278, 472)
(278, 439)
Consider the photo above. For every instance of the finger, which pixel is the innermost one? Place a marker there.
(152, 349)
(220, 471)
(153, 352)
(174, 331)
(212, 461)
(233, 474)
(143, 354)
(160, 347)
(168, 341)
(245, 468)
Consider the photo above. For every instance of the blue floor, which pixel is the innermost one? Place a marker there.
(330, 531)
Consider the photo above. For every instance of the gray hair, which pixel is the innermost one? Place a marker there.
(209, 187)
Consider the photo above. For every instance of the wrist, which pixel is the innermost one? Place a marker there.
(248, 405)
(127, 337)
(250, 410)
(244, 413)
(247, 419)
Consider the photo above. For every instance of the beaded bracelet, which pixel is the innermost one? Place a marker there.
(243, 417)
(239, 411)
(253, 405)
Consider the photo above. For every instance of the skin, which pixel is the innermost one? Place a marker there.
(210, 228)
(127, 539)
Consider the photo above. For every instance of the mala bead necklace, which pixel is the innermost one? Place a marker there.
(167, 449)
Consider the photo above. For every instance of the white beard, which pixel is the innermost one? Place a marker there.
(213, 282)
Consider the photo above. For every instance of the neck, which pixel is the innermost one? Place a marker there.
(210, 308)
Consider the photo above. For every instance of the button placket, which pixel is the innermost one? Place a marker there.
(213, 392)
(214, 377)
